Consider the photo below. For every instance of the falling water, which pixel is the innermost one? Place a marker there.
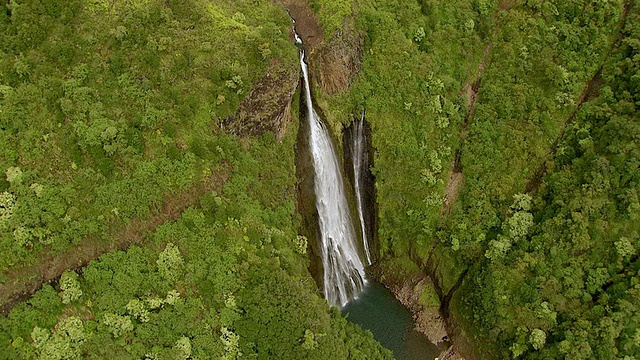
(359, 164)
(344, 276)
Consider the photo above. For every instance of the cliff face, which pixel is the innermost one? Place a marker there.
(333, 63)
(337, 62)
(268, 106)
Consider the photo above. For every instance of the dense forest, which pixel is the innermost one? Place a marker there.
(148, 203)
(506, 141)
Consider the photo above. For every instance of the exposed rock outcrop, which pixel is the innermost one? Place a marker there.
(416, 291)
(427, 319)
(337, 62)
(333, 64)
(268, 106)
(449, 354)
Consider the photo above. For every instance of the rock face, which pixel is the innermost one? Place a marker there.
(416, 291)
(333, 64)
(337, 62)
(366, 181)
(268, 106)
(427, 319)
(449, 354)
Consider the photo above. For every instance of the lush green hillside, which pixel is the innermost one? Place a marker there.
(228, 279)
(108, 106)
(563, 269)
(115, 123)
(506, 165)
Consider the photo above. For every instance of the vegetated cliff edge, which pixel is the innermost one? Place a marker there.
(468, 247)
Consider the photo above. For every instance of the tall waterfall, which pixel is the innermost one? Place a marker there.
(344, 276)
(358, 149)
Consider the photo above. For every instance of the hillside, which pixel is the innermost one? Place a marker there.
(132, 172)
(153, 196)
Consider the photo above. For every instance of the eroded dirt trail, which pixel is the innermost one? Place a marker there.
(456, 178)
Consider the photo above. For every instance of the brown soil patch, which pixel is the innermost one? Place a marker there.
(456, 179)
(506, 5)
(471, 88)
(470, 94)
(335, 65)
(449, 354)
(306, 24)
(454, 184)
(22, 283)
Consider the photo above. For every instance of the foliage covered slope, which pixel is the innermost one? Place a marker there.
(108, 111)
(538, 99)
(107, 106)
(565, 282)
(522, 111)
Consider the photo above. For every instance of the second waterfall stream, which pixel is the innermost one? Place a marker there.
(343, 266)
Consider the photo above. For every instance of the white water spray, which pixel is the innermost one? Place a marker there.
(344, 276)
(359, 157)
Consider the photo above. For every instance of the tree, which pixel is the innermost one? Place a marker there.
(64, 344)
(170, 263)
(537, 338)
(70, 287)
(118, 325)
(7, 203)
(183, 348)
(231, 342)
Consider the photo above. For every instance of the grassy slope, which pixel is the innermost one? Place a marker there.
(109, 108)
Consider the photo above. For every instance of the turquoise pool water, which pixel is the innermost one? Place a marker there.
(376, 309)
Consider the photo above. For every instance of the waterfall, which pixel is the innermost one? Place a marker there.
(358, 154)
(344, 276)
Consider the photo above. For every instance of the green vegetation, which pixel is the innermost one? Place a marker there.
(111, 114)
(417, 57)
(539, 254)
(332, 14)
(108, 106)
(224, 281)
(572, 280)
(506, 164)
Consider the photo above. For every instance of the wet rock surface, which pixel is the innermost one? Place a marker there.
(408, 288)
(427, 319)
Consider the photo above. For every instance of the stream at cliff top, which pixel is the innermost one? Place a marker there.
(377, 310)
